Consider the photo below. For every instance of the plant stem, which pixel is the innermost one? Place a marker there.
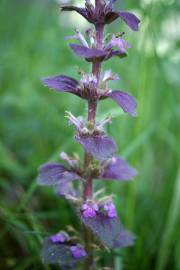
(88, 186)
(88, 191)
(92, 105)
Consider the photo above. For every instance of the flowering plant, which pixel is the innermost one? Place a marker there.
(101, 225)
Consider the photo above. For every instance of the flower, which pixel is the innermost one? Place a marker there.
(78, 36)
(60, 237)
(89, 209)
(108, 75)
(120, 43)
(78, 251)
(110, 209)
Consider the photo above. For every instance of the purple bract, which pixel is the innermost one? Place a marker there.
(117, 168)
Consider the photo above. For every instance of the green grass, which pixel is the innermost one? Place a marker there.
(33, 130)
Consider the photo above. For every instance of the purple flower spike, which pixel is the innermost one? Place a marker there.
(78, 251)
(60, 237)
(89, 210)
(124, 100)
(98, 214)
(110, 209)
(118, 169)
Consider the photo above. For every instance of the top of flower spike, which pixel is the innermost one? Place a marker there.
(105, 14)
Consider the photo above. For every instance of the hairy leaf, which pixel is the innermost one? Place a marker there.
(55, 253)
(125, 101)
(118, 169)
(109, 231)
(55, 173)
(100, 147)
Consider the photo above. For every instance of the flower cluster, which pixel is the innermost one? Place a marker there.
(76, 250)
(98, 215)
(91, 209)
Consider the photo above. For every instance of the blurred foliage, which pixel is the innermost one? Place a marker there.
(33, 130)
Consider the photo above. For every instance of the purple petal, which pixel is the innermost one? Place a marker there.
(110, 209)
(109, 231)
(86, 52)
(81, 11)
(125, 101)
(89, 210)
(60, 237)
(100, 147)
(54, 173)
(130, 19)
(78, 251)
(119, 170)
(119, 42)
(61, 83)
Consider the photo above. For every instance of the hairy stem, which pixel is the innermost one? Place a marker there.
(88, 186)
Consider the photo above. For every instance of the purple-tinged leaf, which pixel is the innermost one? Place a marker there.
(110, 17)
(100, 147)
(55, 173)
(65, 189)
(81, 11)
(109, 231)
(61, 83)
(56, 253)
(89, 53)
(125, 239)
(118, 169)
(125, 101)
(130, 19)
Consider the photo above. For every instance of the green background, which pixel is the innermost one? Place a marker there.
(33, 130)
